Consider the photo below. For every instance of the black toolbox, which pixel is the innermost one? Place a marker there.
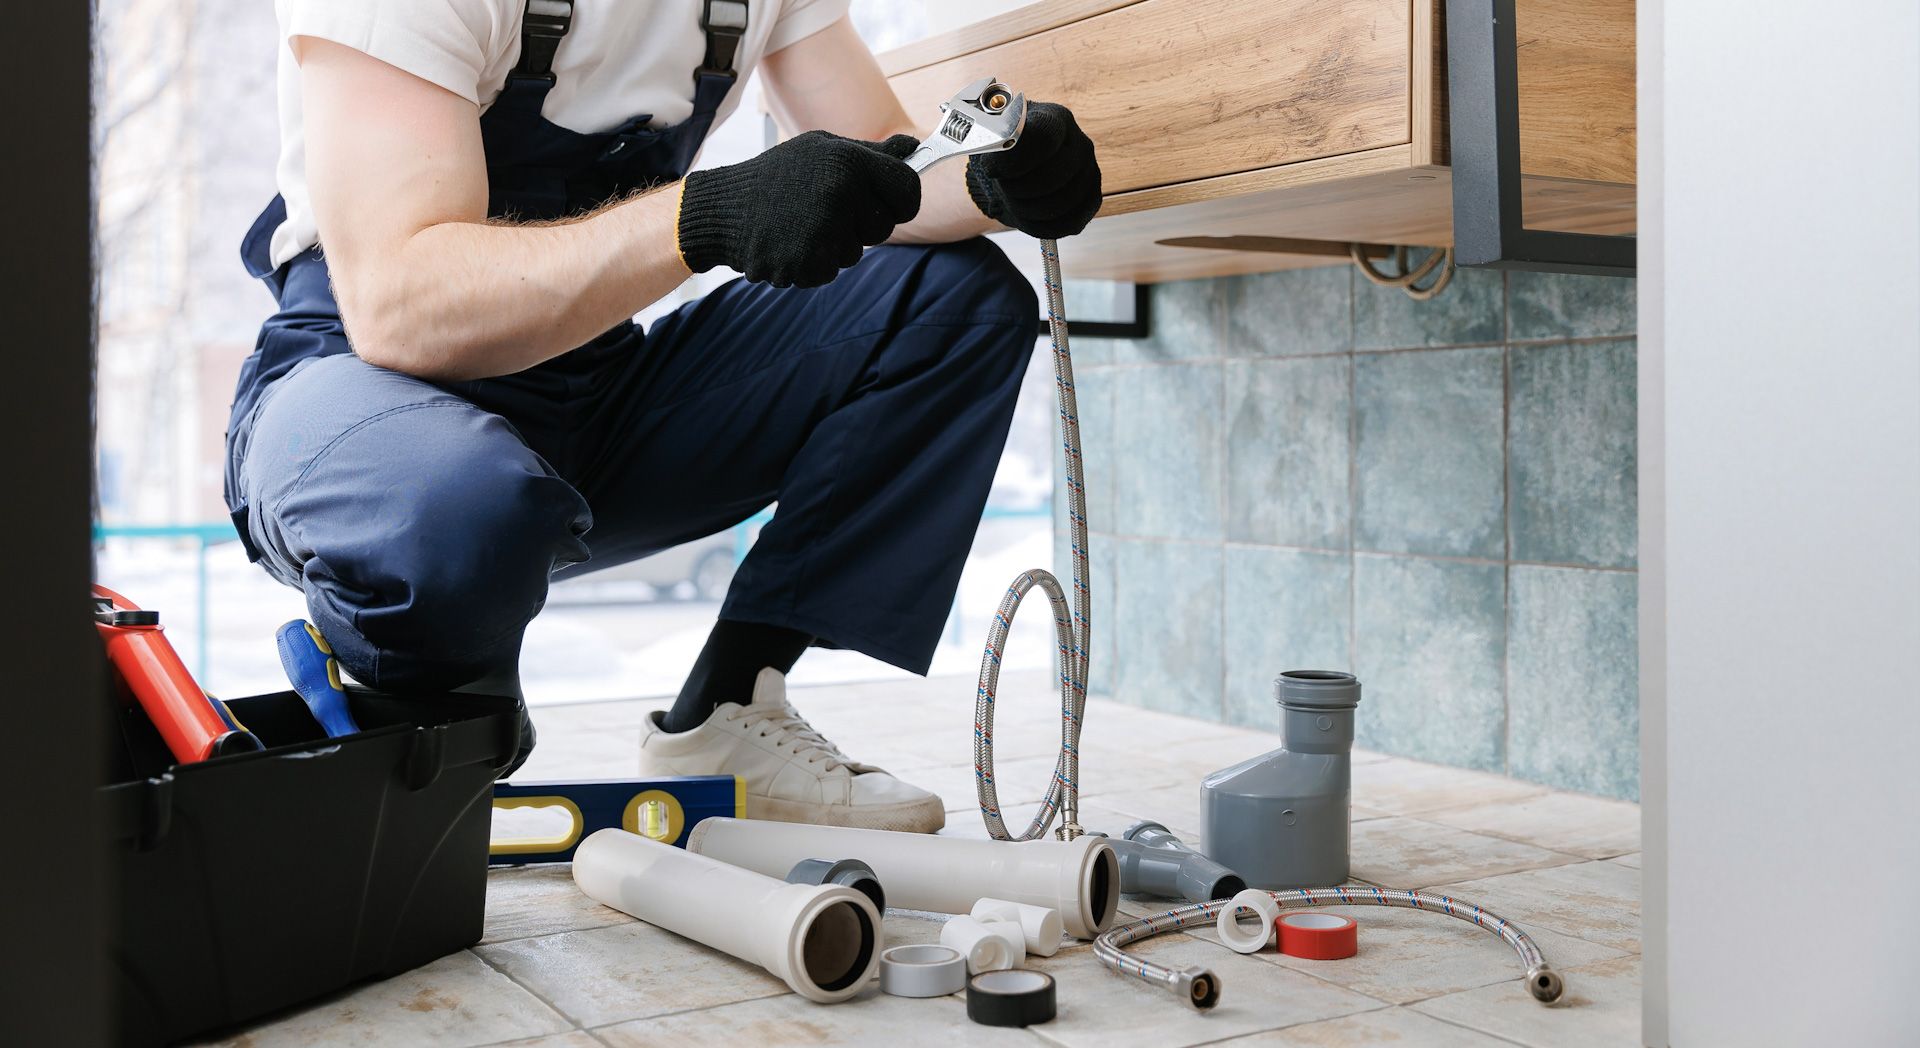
(249, 883)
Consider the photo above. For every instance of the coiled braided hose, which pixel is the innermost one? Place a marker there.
(1070, 627)
(1197, 986)
(1201, 988)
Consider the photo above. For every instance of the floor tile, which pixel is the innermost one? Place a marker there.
(1590, 827)
(612, 753)
(1201, 757)
(1104, 1009)
(1406, 787)
(1597, 901)
(1406, 853)
(629, 971)
(455, 1001)
(1395, 1026)
(1410, 955)
(576, 1039)
(1601, 1007)
(1175, 807)
(871, 1020)
(554, 958)
(529, 901)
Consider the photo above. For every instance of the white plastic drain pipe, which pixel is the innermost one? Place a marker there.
(1079, 878)
(823, 940)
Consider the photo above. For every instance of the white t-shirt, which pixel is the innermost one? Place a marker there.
(620, 58)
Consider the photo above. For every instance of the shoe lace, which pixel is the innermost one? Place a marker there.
(792, 734)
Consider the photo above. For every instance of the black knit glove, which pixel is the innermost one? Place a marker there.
(1048, 184)
(801, 212)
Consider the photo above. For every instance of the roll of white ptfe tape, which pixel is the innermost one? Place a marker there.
(922, 970)
(1242, 934)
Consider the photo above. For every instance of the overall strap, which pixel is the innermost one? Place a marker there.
(724, 22)
(541, 28)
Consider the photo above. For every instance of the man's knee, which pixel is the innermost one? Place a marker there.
(423, 534)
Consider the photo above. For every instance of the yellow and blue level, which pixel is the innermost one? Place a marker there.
(664, 809)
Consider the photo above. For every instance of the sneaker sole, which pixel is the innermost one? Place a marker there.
(922, 816)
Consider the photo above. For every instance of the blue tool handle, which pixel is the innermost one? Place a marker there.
(315, 675)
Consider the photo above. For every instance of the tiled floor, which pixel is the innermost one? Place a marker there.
(557, 971)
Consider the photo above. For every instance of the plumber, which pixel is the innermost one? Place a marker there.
(452, 405)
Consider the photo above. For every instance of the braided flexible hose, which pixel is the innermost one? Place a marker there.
(1201, 988)
(1070, 627)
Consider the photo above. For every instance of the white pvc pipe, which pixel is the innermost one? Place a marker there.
(823, 940)
(1079, 878)
(1039, 926)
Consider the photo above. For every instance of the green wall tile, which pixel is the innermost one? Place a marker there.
(1429, 646)
(1288, 453)
(1573, 679)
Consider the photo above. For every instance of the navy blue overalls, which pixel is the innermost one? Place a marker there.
(424, 520)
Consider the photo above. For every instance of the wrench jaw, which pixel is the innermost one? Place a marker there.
(984, 117)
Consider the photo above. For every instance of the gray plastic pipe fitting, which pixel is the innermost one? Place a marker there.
(1155, 862)
(1282, 819)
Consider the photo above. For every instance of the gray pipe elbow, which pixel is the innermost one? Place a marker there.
(1155, 862)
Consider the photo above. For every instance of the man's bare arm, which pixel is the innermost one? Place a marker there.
(831, 81)
(426, 284)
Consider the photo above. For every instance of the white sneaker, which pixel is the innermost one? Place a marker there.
(792, 773)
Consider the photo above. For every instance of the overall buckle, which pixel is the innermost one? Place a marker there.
(541, 28)
(724, 22)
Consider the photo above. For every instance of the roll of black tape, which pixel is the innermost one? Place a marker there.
(1014, 997)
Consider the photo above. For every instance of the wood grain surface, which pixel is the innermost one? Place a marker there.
(1315, 120)
(1177, 90)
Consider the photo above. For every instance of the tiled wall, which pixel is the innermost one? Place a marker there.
(1303, 470)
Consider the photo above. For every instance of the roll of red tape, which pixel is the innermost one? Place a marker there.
(1317, 936)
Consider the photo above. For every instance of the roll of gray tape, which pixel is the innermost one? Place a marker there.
(924, 970)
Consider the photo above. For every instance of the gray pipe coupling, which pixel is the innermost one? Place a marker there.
(851, 873)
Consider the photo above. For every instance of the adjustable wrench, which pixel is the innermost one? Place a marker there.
(983, 117)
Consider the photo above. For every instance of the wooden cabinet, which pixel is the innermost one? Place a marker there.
(1228, 129)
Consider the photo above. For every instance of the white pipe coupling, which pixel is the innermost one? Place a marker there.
(988, 946)
(1040, 927)
(1240, 935)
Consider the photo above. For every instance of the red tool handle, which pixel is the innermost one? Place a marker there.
(193, 725)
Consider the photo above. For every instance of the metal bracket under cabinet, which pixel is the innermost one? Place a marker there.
(1483, 115)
